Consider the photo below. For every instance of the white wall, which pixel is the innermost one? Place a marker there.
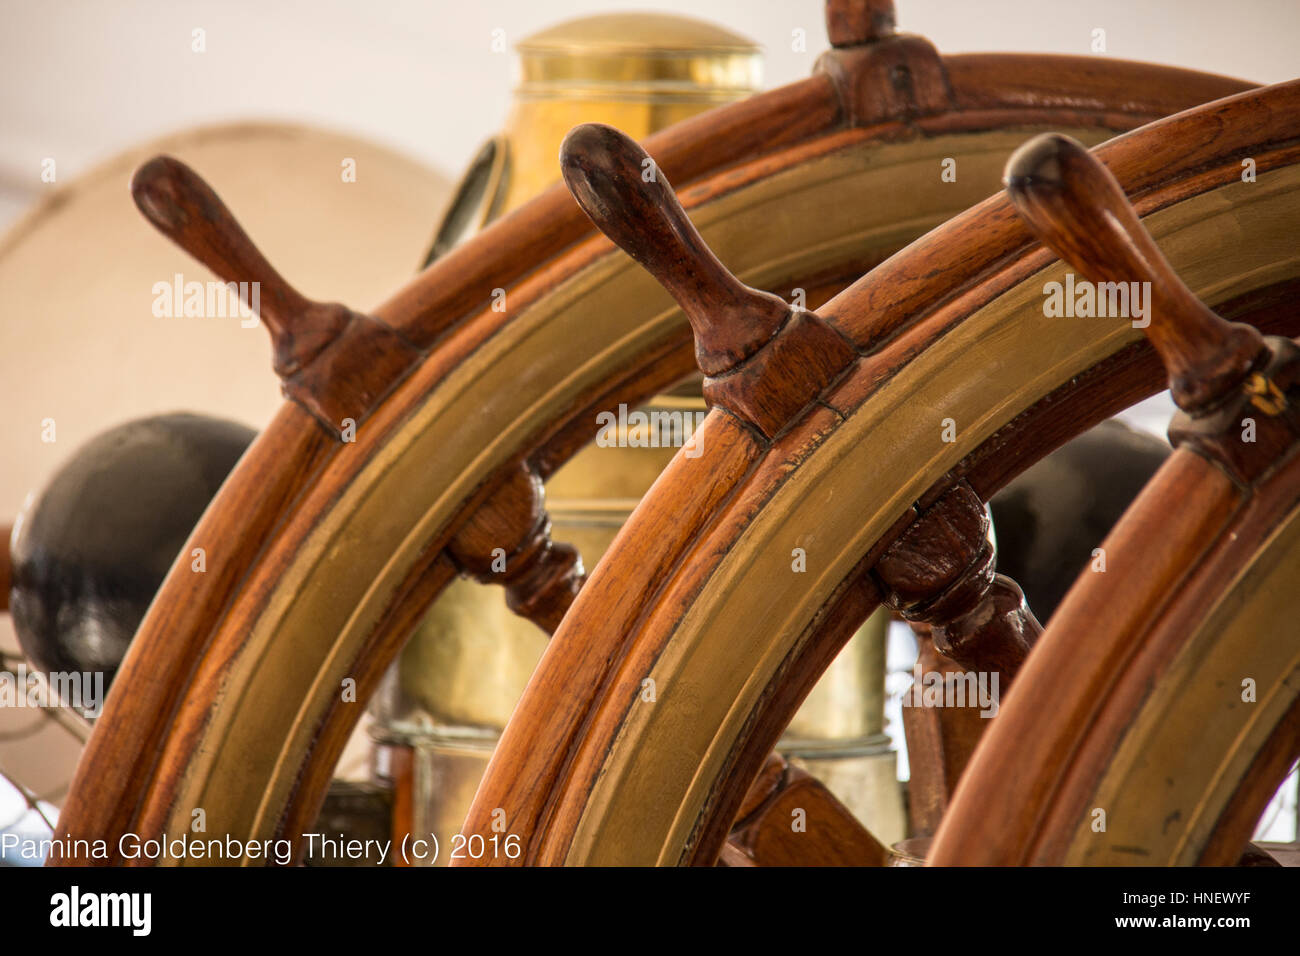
(81, 79)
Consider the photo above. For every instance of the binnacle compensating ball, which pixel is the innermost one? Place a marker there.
(91, 550)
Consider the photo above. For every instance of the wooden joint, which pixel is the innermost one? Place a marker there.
(1251, 429)
(941, 573)
(898, 77)
(945, 545)
(335, 363)
(507, 541)
(763, 360)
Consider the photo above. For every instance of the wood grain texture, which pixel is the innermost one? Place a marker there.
(507, 541)
(154, 674)
(762, 359)
(989, 90)
(448, 305)
(940, 741)
(801, 823)
(630, 200)
(336, 363)
(1006, 789)
(1077, 208)
(530, 762)
(1224, 610)
(941, 573)
(6, 565)
(853, 22)
(1258, 787)
(900, 76)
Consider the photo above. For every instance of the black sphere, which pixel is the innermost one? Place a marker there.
(91, 551)
(1050, 518)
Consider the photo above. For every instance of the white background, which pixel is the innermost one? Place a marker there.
(81, 79)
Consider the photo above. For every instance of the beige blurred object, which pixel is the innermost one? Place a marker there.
(79, 342)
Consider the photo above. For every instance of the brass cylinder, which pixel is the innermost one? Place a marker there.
(639, 72)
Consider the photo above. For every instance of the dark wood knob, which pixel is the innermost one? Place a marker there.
(630, 200)
(1076, 207)
(183, 207)
(855, 22)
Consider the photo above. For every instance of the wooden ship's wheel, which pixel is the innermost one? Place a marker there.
(415, 441)
(827, 436)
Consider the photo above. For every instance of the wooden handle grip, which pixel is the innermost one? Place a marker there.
(855, 22)
(630, 200)
(177, 201)
(1076, 207)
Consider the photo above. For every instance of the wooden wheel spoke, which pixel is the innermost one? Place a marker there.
(507, 541)
(763, 360)
(335, 363)
(789, 818)
(974, 631)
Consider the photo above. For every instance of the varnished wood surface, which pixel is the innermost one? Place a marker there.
(507, 541)
(1171, 557)
(1189, 550)
(940, 741)
(760, 356)
(153, 676)
(901, 347)
(1206, 502)
(617, 185)
(852, 22)
(1258, 786)
(336, 363)
(117, 770)
(989, 90)
(941, 572)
